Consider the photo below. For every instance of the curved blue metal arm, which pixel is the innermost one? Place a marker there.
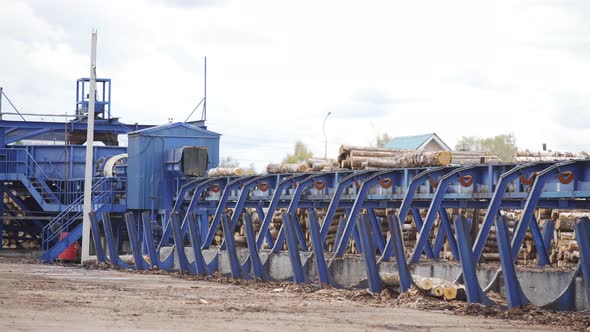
(274, 203)
(533, 199)
(362, 193)
(435, 205)
(232, 185)
(496, 202)
(335, 201)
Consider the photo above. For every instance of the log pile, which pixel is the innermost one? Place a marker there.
(474, 158)
(286, 168)
(321, 165)
(356, 157)
(13, 234)
(225, 171)
(564, 250)
(441, 288)
(527, 156)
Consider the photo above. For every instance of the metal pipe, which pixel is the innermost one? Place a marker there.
(39, 114)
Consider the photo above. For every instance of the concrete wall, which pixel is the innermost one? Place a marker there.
(540, 287)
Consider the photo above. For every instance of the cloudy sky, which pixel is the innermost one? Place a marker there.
(276, 68)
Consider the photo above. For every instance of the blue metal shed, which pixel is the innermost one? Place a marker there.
(148, 184)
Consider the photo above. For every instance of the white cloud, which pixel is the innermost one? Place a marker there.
(277, 67)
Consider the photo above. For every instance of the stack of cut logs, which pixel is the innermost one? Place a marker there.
(362, 157)
(286, 168)
(474, 158)
(529, 156)
(13, 237)
(564, 251)
(441, 288)
(435, 287)
(323, 165)
(359, 157)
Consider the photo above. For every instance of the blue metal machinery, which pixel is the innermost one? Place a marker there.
(42, 169)
(200, 210)
(159, 201)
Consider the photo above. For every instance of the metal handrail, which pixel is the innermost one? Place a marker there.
(33, 169)
(49, 235)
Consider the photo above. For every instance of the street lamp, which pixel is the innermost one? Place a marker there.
(325, 137)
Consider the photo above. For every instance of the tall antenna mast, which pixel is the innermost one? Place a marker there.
(204, 114)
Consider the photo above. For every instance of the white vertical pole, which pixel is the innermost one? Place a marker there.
(88, 173)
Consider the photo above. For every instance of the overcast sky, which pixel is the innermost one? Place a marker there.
(275, 68)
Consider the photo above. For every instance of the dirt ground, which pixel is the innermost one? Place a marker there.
(37, 297)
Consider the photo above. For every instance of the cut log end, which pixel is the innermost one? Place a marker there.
(437, 291)
(450, 292)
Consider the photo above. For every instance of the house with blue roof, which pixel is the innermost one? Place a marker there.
(426, 142)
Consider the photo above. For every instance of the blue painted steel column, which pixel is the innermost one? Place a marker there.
(542, 256)
(113, 253)
(195, 237)
(397, 240)
(100, 257)
(184, 266)
(548, 230)
(419, 224)
(318, 249)
(254, 258)
(228, 234)
(364, 226)
(446, 223)
(274, 202)
(512, 289)
(351, 220)
(261, 216)
(468, 267)
(339, 230)
(135, 243)
(293, 250)
(583, 236)
(377, 235)
(439, 241)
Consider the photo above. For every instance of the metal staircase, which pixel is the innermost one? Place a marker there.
(102, 199)
(18, 164)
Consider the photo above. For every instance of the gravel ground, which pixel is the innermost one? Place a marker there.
(38, 297)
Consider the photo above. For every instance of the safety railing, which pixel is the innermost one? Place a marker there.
(104, 192)
(20, 161)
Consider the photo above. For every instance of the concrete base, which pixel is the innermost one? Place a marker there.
(20, 253)
(540, 287)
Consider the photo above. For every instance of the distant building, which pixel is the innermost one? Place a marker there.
(426, 142)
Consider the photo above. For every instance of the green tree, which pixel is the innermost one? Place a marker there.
(300, 153)
(251, 170)
(504, 146)
(382, 139)
(229, 162)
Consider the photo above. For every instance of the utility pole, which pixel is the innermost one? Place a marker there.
(325, 137)
(88, 172)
